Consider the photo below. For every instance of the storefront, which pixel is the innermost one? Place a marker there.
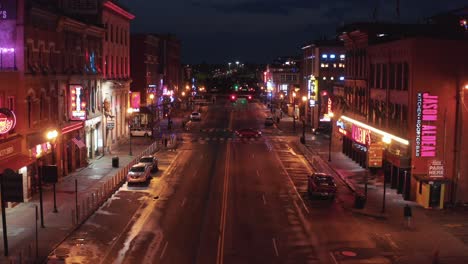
(394, 161)
(12, 158)
(94, 136)
(73, 147)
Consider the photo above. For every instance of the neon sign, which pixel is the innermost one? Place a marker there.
(361, 135)
(77, 103)
(7, 9)
(7, 120)
(426, 134)
(135, 101)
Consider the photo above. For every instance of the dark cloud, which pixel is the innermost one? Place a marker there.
(278, 7)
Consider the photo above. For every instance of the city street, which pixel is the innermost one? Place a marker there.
(221, 199)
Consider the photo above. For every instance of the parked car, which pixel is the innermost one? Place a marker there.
(248, 133)
(322, 129)
(195, 116)
(139, 173)
(321, 184)
(269, 121)
(151, 161)
(141, 132)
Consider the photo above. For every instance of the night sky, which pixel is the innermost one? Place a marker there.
(256, 31)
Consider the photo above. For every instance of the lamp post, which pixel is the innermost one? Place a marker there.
(331, 136)
(52, 137)
(294, 111)
(130, 116)
(386, 141)
(304, 102)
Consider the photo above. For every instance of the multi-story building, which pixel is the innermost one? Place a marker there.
(116, 72)
(282, 81)
(50, 81)
(323, 66)
(144, 61)
(403, 85)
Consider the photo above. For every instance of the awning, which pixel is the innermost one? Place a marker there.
(78, 142)
(72, 126)
(16, 162)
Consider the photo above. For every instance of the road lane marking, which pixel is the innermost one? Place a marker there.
(275, 247)
(293, 185)
(333, 258)
(222, 224)
(183, 202)
(264, 200)
(164, 250)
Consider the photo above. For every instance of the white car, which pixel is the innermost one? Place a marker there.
(195, 116)
(139, 173)
(141, 132)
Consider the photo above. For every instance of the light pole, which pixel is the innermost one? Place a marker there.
(304, 102)
(130, 116)
(229, 64)
(331, 136)
(294, 111)
(386, 142)
(52, 137)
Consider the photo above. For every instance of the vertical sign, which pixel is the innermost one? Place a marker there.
(361, 135)
(135, 101)
(426, 129)
(77, 102)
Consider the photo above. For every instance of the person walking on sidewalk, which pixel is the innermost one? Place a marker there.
(407, 214)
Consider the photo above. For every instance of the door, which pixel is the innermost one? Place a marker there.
(434, 195)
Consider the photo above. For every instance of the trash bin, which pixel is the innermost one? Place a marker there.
(115, 162)
(359, 200)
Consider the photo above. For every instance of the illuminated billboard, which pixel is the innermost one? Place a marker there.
(77, 102)
(426, 127)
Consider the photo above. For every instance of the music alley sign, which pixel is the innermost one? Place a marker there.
(426, 127)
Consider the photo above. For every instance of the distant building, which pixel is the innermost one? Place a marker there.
(323, 65)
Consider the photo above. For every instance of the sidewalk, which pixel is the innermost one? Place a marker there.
(441, 232)
(95, 184)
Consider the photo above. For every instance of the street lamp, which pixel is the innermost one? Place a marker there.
(229, 64)
(304, 102)
(331, 136)
(52, 137)
(386, 140)
(130, 116)
(294, 111)
(237, 64)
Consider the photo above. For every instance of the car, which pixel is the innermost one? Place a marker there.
(139, 173)
(195, 116)
(321, 184)
(248, 133)
(269, 121)
(141, 132)
(151, 161)
(322, 129)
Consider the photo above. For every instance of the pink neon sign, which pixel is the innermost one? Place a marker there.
(426, 133)
(7, 120)
(361, 135)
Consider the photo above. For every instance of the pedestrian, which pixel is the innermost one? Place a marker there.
(407, 214)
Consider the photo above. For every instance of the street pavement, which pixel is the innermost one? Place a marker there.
(99, 176)
(434, 236)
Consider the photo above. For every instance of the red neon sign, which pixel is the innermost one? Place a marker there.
(7, 120)
(361, 135)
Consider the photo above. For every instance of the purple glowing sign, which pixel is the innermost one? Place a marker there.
(6, 50)
(7, 9)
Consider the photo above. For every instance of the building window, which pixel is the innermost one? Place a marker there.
(372, 76)
(111, 33)
(378, 75)
(399, 76)
(29, 106)
(392, 76)
(384, 76)
(11, 103)
(405, 76)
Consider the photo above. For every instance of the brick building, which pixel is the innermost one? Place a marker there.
(402, 87)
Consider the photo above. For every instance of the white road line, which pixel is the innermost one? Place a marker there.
(183, 202)
(294, 186)
(275, 247)
(264, 200)
(333, 258)
(164, 250)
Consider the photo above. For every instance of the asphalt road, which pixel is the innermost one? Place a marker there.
(220, 199)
